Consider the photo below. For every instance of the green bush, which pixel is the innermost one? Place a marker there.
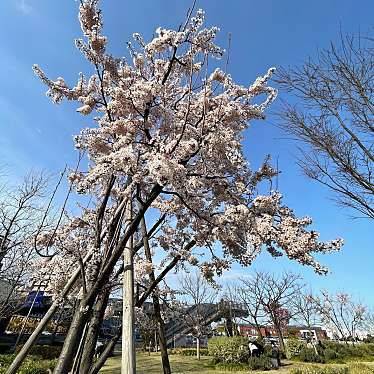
(348, 351)
(230, 350)
(32, 365)
(45, 352)
(260, 363)
(369, 339)
(268, 350)
(330, 354)
(309, 355)
(6, 360)
(293, 347)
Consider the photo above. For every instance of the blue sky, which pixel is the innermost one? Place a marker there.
(38, 135)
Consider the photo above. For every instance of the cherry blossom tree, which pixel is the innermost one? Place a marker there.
(166, 140)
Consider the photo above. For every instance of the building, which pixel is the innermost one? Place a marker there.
(301, 332)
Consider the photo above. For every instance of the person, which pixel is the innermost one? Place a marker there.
(255, 348)
(275, 354)
(99, 349)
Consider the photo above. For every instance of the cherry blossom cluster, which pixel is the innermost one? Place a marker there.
(166, 121)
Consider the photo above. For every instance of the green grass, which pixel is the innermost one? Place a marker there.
(190, 365)
(179, 364)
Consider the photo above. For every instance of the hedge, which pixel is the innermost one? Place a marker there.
(293, 347)
(229, 350)
(332, 352)
(45, 352)
(32, 365)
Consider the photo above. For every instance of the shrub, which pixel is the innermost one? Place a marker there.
(293, 347)
(230, 350)
(343, 350)
(369, 339)
(268, 350)
(330, 354)
(309, 355)
(260, 363)
(32, 365)
(366, 348)
(45, 352)
(6, 360)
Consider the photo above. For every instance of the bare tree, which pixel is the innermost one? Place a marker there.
(201, 296)
(276, 298)
(21, 212)
(248, 292)
(147, 326)
(305, 311)
(341, 314)
(334, 117)
(368, 323)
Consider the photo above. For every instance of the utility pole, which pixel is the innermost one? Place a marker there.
(128, 364)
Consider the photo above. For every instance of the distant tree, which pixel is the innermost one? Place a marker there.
(276, 298)
(369, 324)
(200, 296)
(332, 112)
(305, 311)
(147, 326)
(21, 217)
(249, 294)
(341, 314)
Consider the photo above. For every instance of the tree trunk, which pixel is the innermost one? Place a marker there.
(43, 323)
(104, 356)
(93, 332)
(156, 305)
(280, 336)
(161, 336)
(258, 328)
(229, 329)
(92, 294)
(198, 348)
(78, 356)
(72, 340)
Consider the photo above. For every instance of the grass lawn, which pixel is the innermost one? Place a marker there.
(188, 365)
(179, 364)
